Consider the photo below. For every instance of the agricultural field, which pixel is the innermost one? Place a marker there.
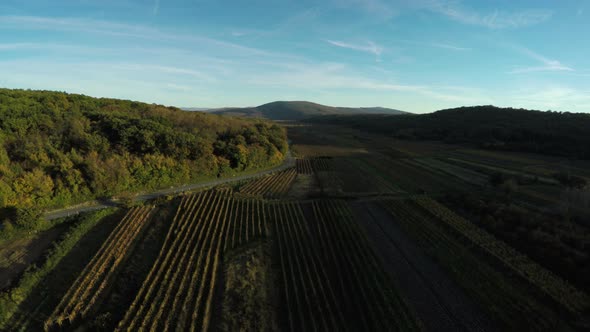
(271, 186)
(185, 284)
(93, 282)
(363, 233)
(530, 228)
(330, 278)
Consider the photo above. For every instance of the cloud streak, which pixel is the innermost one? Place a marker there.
(445, 46)
(369, 47)
(495, 20)
(546, 63)
(166, 70)
(122, 30)
(325, 77)
(450, 47)
(18, 46)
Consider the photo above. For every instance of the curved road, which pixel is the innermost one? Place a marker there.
(97, 205)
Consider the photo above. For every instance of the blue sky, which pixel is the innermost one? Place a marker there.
(414, 55)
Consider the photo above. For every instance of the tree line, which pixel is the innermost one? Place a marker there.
(554, 133)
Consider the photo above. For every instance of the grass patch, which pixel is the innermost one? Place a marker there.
(246, 304)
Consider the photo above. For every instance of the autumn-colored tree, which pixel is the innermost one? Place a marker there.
(58, 149)
(32, 188)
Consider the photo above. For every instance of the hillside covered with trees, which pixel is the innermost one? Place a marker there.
(58, 149)
(554, 133)
(298, 110)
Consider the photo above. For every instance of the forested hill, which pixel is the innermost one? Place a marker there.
(555, 133)
(58, 148)
(298, 110)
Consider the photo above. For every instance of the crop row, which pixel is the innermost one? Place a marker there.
(509, 303)
(384, 304)
(303, 166)
(179, 290)
(558, 289)
(302, 274)
(313, 165)
(331, 280)
(93, 283)
(400, 175)
(483, 167)
(449, 170)
(272, 186)
(247, 222)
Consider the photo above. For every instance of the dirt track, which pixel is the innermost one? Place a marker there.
(439, 302)
(95, 205)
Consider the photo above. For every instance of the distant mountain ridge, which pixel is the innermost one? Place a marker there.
(298, 110)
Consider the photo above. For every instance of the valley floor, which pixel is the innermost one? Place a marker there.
(360, 232)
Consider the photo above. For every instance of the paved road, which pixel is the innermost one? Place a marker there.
(98, 205)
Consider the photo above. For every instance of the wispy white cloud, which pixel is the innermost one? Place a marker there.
(166, 70)
(71, 49)
(59, 52)
(450, 47)
(553, 67)
(546, 64)
(76, 24)
(494, 20)
(122, 30)
(446, 46)
(17, 46)
(324, 77)
(175, 84)
(143, 82)
(180, 67)
(369, 47)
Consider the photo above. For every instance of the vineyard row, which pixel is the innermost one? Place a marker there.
(272, 186)
(179, 290)
(331, 279)
(93, 283)
(558, 289)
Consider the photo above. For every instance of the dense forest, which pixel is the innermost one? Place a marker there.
(555, 133)
(57, 148)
